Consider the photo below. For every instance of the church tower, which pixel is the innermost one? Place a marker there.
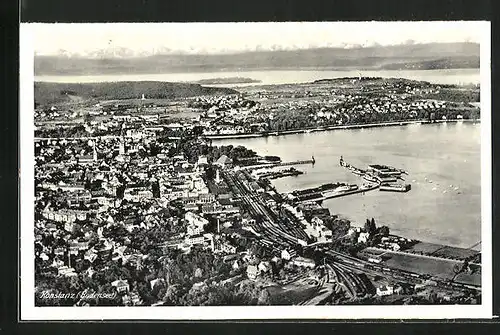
(122, 147)
(217, 177)
(94, 156)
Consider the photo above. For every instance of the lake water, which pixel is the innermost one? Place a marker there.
(452, 76)
(443, 164)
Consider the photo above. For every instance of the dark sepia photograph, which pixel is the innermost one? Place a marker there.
(256, 167)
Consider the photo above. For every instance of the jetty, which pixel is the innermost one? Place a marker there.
(384, 176)
(307, 161)
(321, 198)
(279, 174)
(277, 164)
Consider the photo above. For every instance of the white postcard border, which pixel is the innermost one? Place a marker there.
(28, 311)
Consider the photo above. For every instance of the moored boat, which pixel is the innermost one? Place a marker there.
(370, 178)
(395, 187)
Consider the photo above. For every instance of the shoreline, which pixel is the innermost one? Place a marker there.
(40, 76)
(329, 128)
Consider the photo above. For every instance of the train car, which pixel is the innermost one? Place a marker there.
(369, 267)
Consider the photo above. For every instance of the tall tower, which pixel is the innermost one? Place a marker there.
(122, 147)
(94, 154)
(217, 177)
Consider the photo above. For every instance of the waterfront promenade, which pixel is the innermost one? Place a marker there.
(328, 128)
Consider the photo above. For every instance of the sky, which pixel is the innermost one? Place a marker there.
(152, 38)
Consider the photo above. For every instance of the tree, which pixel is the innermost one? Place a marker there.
(367, 226)
(264, 297)
(384, 231)
(198, 273)
(171, 297)
(370, 226)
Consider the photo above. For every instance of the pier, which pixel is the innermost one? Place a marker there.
(384, 176)
(367, 188)
(271, 165)
(308, 161)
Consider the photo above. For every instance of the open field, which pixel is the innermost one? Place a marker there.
(281, 296)
(424, 247)
(466, 278)
(438, 250)
(455, 253)
(420, 264)
(293, 293)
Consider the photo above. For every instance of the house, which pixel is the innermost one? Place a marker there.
(195, 223)
(51, 227)
(385, 290)
(121, 285)
(44, 256)
(264, 267)
(326, 233)
(304, 262)
(69, 226)
(363, 237)
(236, 264)
(57, 263)
(224, 247)
(395, 246)
(59, 251)
(136, 299)
(79, 246)
(66, 271)
(118, 253)
(374, 259)
(90, 272)
(247, 221)
(193, 230)
(202, 161)
(252, 272)
(126, 300)
(317, 222)
(156, 281)
(223, 161)
(398, 289)
(285, 255)
(197, 239)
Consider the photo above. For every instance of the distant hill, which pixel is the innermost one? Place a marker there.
(376, 57)
(51, 93)
(231, 80)
(442, 63)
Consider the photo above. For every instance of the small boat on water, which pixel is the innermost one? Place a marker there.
(358, 172)
(370, 178)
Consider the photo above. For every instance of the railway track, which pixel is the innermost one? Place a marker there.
(286, 233)
(269, 225)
